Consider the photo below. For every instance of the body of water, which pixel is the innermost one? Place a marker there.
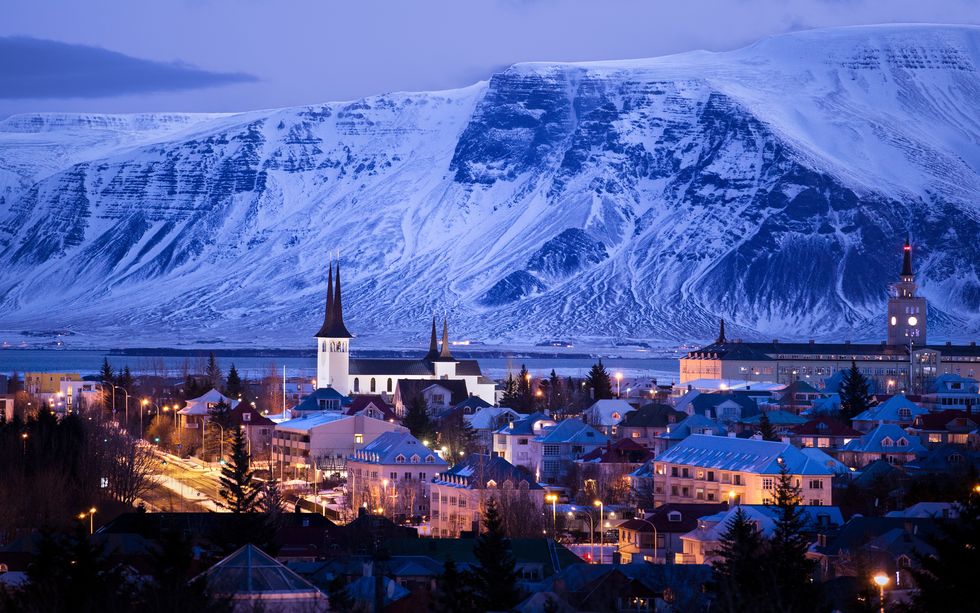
(89, 362)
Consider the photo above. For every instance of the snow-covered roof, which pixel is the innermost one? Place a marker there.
(485, 418)
(608, 412)
(200, 405)
(714, 526)
(397, 448)
(886, 438)
(530, 425)
(572, 431)
(695, 424)
(890, 410)
(720, 385)
(313, 420)
(747, 455)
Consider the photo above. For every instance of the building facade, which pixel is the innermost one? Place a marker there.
(392, 473)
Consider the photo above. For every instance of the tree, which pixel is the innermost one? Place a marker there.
(510, 397)
(453, 592)
(233, 384)
(740, 557)
(554, 388)
(765, 428)
(213, 372)
(107, 376)
(457, 436)
(218, 430)
(598, 381)
(130, 467)
(854, 396)
(239, 488)
(946, 579)
(792, 588)
(417, 419)
(126, 379)
(525, 393)
(495, 578)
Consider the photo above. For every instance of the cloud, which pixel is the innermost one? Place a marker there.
(36, 68)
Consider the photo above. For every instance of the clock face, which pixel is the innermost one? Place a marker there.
(913, 320)
(894, 320)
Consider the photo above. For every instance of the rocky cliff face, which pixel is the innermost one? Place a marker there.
(772, 186)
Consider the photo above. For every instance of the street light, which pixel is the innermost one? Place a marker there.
(591, 532)
(619, 381)
(23, 437)
(114, 388)
(881, 580)
(553, 499)
(655, 537)
(91, 522)
(602, 513)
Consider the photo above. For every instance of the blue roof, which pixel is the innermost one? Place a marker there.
(885, 439)
(944, 384)
(389, 446)
(749, 455)
(776, 418)
(889, 410)
(695, 424)
(525, 425)
(573, 431)
(312, 402)
(478, 469)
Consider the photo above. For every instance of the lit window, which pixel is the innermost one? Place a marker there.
(358, 439)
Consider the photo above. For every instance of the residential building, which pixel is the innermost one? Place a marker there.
(657, 537)
(7, 407)
(952, 460)
(887, 442)
(196, 410)
(846, 552)
(782, 422)
(438, 396)
(942, 427)
(372, 406)
(644, 425)
(322, 399)
(393, 473)
(257, 427)
(605, 415)
(798, 397)
(323, 441)
(487, 420)
(554, 450)
(718, 468)
(695, 424)
(951, 391)
(700, 546)
(46, 384)
(458, 495)
(335, 367)
(725, 407)
(823, 432)
(897, 410)
(513, 441)
(607, 469)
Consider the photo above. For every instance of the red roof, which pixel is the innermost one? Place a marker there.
(256, 419)
(940, 420)
(824, 426)
(623, 451)
(363, 401)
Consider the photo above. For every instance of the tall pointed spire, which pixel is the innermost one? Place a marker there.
(445, 354)
(433, 346)
(328, 311)
(721, 333)
(907, 258)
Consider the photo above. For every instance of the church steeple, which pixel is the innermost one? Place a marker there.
(333, 318)
(433, 346)
(445, 355)
(721, 333)
(907, 259)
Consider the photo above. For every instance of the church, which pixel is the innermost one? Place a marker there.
(903, 362)
(336, 369)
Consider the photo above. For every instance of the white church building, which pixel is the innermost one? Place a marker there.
(336, 369)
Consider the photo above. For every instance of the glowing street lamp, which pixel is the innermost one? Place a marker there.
(598, 503)
(881, 580)
(91, 522)
(553, 499)
(619, 381)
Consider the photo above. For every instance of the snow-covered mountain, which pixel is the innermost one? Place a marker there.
(772, 186)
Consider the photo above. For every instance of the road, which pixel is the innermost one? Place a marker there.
(183, 486)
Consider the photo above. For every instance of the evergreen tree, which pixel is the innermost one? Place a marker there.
(946, 577)
(765, 428)
(854, 396)
(417, 419)
(457, 436)
(107, 376)
(453, 593)
(792, 587)
(525, 393)
(214, 372)
(126, 379)
(510, 397)
(233, 384)
(598, 382)
(554, 386)
(239, 488)
(737, 571)
(495, 579)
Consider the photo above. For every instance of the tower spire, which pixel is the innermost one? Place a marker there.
(433, 346)
(444, 354)
(721, 333)
(907, 258)
(333, 321)
(328, 311)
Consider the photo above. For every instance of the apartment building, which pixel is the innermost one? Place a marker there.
(392, 473)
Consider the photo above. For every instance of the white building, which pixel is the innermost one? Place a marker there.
(336, 369)
(605, 415)
(705, 468)
(513, 441)
(393, 473)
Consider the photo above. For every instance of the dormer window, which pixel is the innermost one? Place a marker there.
(902, 442)
(905, 413)
(674, 516)
(491, 484)
(615, 415)
(887, 442)
(415, 459)
(429, 459)
(399, 459)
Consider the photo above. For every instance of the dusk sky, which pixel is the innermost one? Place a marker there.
(230, 55)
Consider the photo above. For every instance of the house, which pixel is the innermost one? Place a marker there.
(700, 546)
(716, 468)
(322, 399)
(323, 441)
(695, 424)
(798, 397)
(471, 405)
(887, 442)
(725, 407)
(487, 420)
(897, 410)
(554, 450)
(252, 580)
(644, 425)
(196, 411)
(948, 459)
(458, 495)
(942, 427)
(257, 427)
(392, 473)
(605, 415)
(657, 537)
(439, 396)
(823, 432)
(611, 465)
(626, 587)
(934, 510)
(781, 421)
(951, 391)
(372, 406)
(513, 441)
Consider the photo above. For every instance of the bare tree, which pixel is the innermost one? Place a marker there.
(130, 464)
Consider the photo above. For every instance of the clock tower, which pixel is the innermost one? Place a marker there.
(906, 311)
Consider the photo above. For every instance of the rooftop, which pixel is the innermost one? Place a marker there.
(749, 455)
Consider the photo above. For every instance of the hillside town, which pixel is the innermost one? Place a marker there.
(816, 476)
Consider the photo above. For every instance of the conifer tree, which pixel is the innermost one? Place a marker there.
(454, 592)
(740, 557)
(417, 419)
(126, 379)
(525, 395)
(495, 579)
(554, 386)
(238, 486)
(510, 398)
(107, 376)
(598, 382)
(854, 396)
(233, 384)
(765, 428)
(792, 588)
(214, 372)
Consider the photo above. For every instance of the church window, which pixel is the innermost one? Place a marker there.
(389, 385)
(357, 385)
(373, 384)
